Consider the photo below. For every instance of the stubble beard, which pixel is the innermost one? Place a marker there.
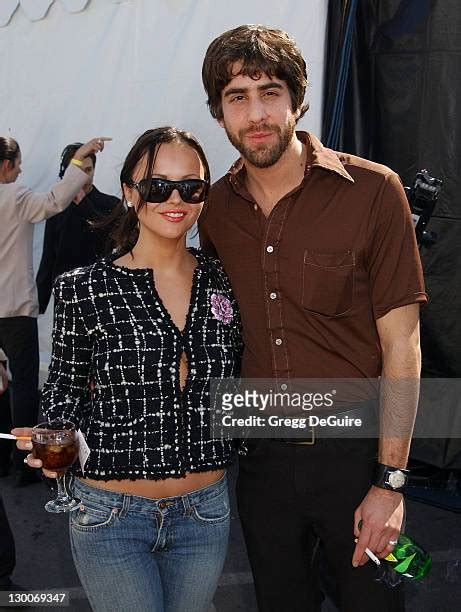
(263, 155)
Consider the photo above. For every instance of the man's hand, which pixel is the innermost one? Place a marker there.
(381, 513)
(3, 379)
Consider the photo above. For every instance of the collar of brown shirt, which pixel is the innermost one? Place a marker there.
(317, 156)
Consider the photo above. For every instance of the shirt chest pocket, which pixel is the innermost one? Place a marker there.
(328, 282)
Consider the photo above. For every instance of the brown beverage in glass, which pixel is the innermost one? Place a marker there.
(56, 455)
(56, 445)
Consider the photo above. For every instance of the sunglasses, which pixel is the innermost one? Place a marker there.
(156, 190)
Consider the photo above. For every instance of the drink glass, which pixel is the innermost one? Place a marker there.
(56, 444)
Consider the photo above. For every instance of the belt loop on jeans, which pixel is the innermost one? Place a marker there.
(186, 503)
(125, 505)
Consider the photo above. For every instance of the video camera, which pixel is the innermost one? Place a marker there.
(422, 198)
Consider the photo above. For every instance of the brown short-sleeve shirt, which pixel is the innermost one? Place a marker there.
(334, 255)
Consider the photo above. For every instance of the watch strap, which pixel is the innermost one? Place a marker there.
(390, 477)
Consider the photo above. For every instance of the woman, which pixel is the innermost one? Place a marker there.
(72, 238)
(20, 209)
(146, 332)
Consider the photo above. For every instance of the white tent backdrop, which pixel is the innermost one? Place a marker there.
(119, 67)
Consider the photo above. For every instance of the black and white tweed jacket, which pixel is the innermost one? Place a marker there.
(115, 369)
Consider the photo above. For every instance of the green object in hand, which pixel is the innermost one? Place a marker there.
(409, 558)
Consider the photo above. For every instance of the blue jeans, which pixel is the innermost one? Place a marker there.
(157, 555)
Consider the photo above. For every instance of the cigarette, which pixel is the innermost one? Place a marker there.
(371, 555)
(11, 437)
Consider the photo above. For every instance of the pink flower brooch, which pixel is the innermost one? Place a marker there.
(221, 308)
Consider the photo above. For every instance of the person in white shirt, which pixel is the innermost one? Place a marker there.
(20, 209)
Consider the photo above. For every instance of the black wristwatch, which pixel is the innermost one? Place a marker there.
(391, 478)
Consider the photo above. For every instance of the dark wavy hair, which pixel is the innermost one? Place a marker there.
(126, 231)
(9, 149)
(260, 50)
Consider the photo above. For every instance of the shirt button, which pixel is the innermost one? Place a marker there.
(278, 341)
(284, 387)
(273, 295)
(270, 249)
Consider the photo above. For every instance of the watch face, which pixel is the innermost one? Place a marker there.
(396, 479)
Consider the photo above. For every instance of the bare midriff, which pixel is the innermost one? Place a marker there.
(155, 489)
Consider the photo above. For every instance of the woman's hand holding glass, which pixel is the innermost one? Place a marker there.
(54, 445)
(26, 445)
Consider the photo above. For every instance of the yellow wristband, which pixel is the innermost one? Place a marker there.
(76, 162)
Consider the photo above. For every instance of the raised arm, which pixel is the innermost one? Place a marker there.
(35, 207)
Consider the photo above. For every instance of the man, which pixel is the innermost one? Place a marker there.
(72, 238)
(320, 250)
